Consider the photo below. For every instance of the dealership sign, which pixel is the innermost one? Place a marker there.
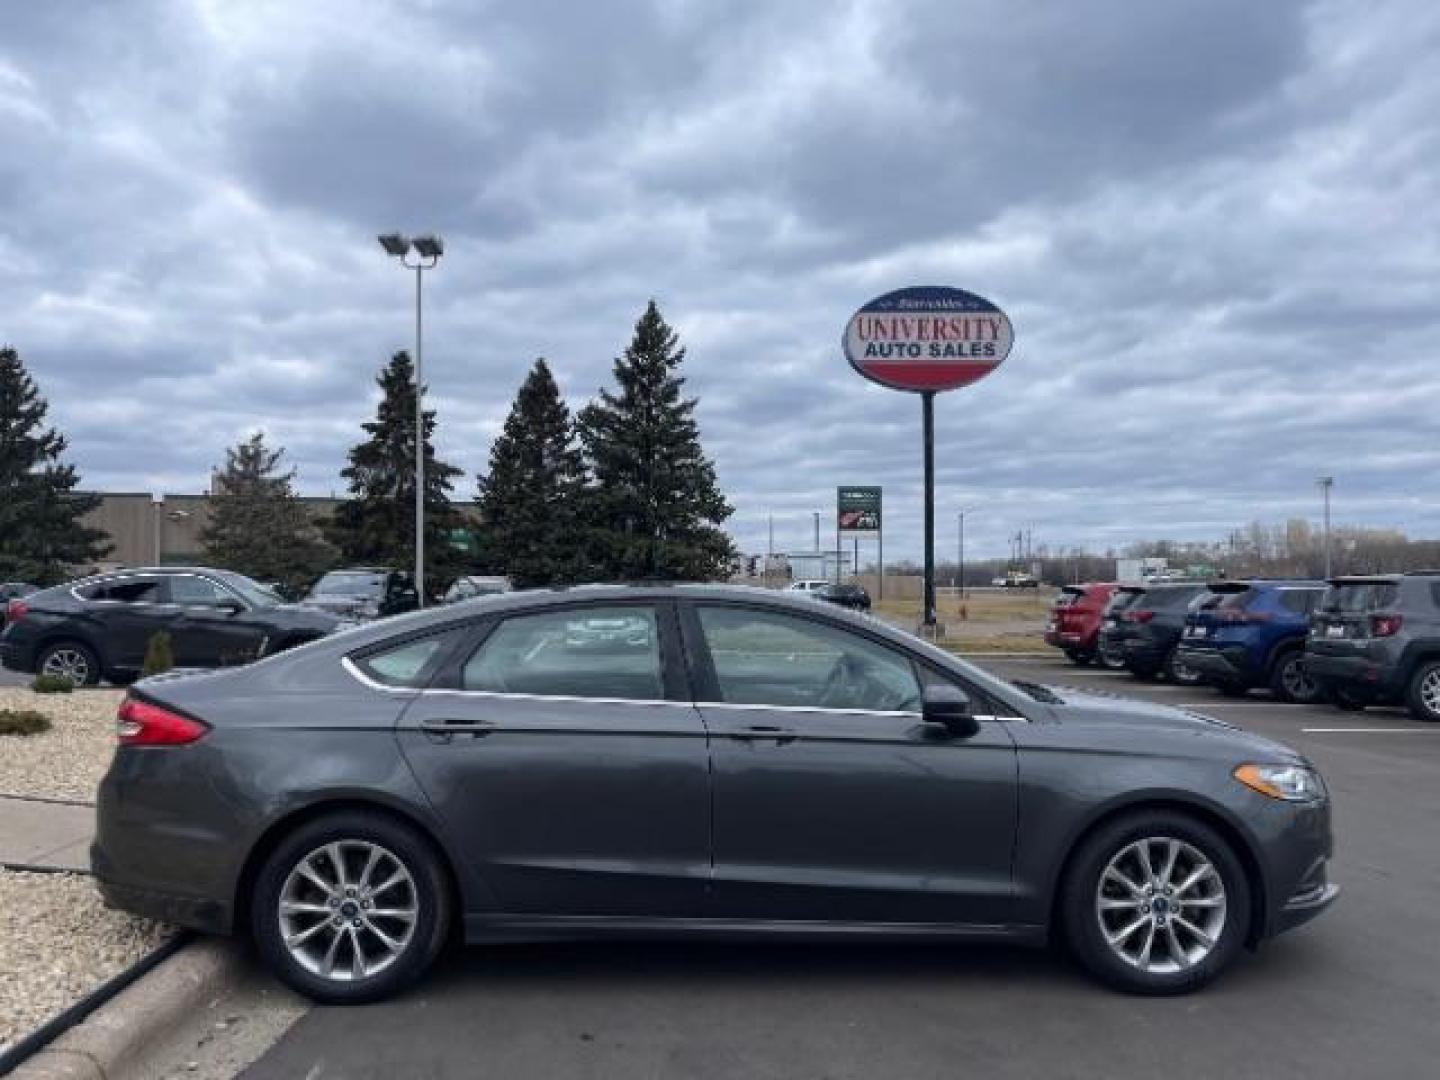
(857, 511)
(927, 338)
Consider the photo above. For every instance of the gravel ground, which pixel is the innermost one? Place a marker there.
(67, 761)
(58, 942)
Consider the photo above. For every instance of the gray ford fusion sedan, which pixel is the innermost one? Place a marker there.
(736, 763)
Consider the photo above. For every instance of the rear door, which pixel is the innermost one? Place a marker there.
(572, 772)
(127, 611)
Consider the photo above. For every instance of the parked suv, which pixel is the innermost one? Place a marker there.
(1252, 633)
(101, 626)
(1377, 640)
(846, 595)
(1075, 620)
(1148, 629)
(363, 592)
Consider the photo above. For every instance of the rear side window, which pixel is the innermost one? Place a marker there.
(408, 664)
(1359, 597)
(596, 652)
(1123, 599)
(1300, 601)
(125, 591)
(1234, 601)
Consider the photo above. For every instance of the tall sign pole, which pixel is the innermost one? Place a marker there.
(927, 339)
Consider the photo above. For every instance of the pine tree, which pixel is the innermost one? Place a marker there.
(42, 539)
(377, 524)
(654, 506)
(256, 523)
(530, 501)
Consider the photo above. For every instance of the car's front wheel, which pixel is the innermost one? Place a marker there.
(351, 907)
(1155, 903)
(1423, 696)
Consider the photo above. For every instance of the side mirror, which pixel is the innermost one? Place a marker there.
(949, 707)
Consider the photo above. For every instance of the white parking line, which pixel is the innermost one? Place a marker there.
(1258, 703)
(1371, 730)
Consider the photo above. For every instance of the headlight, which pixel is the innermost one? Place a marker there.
(1292, 783)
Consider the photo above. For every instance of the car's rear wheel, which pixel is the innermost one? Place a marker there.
(1155, 903)
(70, 660)
(1179, 672)
(1289, 682)
(351, 907)
(1423, 697)
(1111, 659)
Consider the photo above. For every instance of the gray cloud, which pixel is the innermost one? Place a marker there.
(1212, 224)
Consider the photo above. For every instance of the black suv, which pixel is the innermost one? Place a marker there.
(1142, 629)
(1377, 640)
(101, 626)
(847, 596)
(363, 592)
(12, 590)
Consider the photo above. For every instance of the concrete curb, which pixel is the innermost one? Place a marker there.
(111, 1042)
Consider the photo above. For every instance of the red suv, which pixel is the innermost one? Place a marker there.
(1075, 620)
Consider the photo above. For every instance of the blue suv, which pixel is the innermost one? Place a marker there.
(1252, 633)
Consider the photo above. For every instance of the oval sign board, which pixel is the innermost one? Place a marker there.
(927, 338)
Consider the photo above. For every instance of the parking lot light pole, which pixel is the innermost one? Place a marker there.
(960, 554)
(1326, 483)
(428, 250)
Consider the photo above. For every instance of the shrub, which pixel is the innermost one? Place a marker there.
(158, 654)
(23, 722)
(51, 684)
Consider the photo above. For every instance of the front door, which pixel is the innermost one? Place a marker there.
(570, 766)
(832, 801)
(211, 629)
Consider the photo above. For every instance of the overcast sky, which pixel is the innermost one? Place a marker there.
(1214, 225)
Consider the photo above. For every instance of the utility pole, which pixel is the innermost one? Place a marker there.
(1326, 483)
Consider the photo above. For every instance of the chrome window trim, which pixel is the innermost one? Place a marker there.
(357, 673)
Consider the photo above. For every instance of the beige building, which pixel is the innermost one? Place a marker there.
(150, 532)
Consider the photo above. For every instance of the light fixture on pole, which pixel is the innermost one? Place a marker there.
(960, 560)
(428, 250)
(1326, 483)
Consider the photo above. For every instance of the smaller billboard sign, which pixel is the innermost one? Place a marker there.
(857, 511)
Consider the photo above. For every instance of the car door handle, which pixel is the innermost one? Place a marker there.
(765, 731)
(452, 726)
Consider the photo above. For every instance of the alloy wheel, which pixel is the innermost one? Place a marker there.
(1430, 691)
(1161, 905)
(1299, 686)
(348, 910)
(67, 663)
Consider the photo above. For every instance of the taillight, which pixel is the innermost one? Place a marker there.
(1138, 616)
(1385, 625)
(139, 723)
(16, 610)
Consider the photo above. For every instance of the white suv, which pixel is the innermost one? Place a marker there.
(809, 585)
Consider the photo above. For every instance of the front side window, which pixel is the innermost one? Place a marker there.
(596, 652)
(198, 592)
(768, 658)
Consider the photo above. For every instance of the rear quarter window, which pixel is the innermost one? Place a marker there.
(407, 663)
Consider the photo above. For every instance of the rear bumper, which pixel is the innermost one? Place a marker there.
(15, 655)
(1358, 673)
(192, 912)
(1230, 666)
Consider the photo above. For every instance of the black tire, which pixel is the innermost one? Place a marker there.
(1082, 922)
(1422, 695)
(1177, 673)
(1288, 681)
(1110, 661)
(1079, 657)
(74, 657)
(427, 891)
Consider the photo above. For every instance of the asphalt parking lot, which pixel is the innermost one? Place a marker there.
(1352, 994)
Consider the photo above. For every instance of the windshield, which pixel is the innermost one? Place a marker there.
(251, 591)
(350, 583)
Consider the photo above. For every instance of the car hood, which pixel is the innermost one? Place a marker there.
(337, 605)
(1085, 709)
